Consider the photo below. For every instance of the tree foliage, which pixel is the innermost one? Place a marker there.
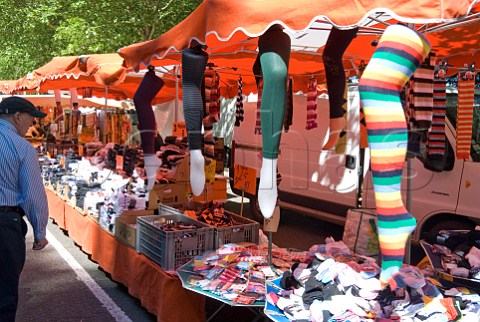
(33, 32)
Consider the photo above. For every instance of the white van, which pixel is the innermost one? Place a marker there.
(324, 184)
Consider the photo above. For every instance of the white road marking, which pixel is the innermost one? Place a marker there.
(83, 276)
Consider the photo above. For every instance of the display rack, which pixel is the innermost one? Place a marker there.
(185, 271)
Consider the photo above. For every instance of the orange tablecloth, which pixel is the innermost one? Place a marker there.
(56, 208)
(160, 293)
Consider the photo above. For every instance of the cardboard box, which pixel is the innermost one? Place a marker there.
(212, 191)
(169, 193)
(182, 173)
(125, 231)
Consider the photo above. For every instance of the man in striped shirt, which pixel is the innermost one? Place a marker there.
(21, 193)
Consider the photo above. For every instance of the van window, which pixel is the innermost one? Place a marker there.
(452, 103)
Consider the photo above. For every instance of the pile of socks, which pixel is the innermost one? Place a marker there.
(172, 153)
(214, 215)
(235, 272)
(346, 287)
(458, 252)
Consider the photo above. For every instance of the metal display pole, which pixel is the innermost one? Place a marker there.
(409, 206)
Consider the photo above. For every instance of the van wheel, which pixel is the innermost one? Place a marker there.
(255, 210)
(452, 225)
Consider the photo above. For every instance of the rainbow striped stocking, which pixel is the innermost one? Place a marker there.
(400, 51)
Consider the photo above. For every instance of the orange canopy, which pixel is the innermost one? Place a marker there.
(97, 75)
(230, 30)
(6, 86)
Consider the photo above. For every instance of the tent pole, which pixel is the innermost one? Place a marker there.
(175, 112)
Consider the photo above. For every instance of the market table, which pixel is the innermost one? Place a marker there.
(159, 292)
(56, 208)
(185, 271)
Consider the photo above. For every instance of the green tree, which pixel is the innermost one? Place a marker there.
(37, 31)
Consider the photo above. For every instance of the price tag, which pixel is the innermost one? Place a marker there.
(179, 129)
(119, 165)
(245, 178)
(210, 171)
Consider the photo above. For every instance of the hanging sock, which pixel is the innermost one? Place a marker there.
(466, 90)
(194, 61)
(146, 92)
(212, 94)
(399, 52)
(212, 112)
(288, 119)
(239, 104)
(363, 123)
(422, 92)
(312, 104)
(208, 140)
(436, 139)
(274, 52)
(420, 104)
(258, 122)
(337, 42)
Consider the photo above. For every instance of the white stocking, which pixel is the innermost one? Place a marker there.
(152, 163)
(197, 171)
(267, 189)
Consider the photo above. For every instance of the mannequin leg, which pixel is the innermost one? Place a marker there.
(194, 61)
(146, 92)
(274, 51)
(337, 43)
(399, 53)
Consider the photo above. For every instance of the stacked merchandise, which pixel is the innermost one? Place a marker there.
(172, 153)
(125, 196)
(455, 255)
(236, 272)
(212, 214)
(91, 148)
(337, 285)
(228, 227)
(95, 189)
(172, 240)
(122, 158)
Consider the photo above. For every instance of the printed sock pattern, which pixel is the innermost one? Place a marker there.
(436, 135)
(312, 104)
(212, 94)
(258, 122)
(212, 112)
(464, 116)
(399, 52)
(288, 119)
(239, 104)
(422, 91)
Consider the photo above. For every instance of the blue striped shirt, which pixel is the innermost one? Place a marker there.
(20, 178)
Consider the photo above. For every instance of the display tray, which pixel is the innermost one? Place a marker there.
(270, 310)
(243, 229)
(172, 249)
(442, 275)
(185, 271)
